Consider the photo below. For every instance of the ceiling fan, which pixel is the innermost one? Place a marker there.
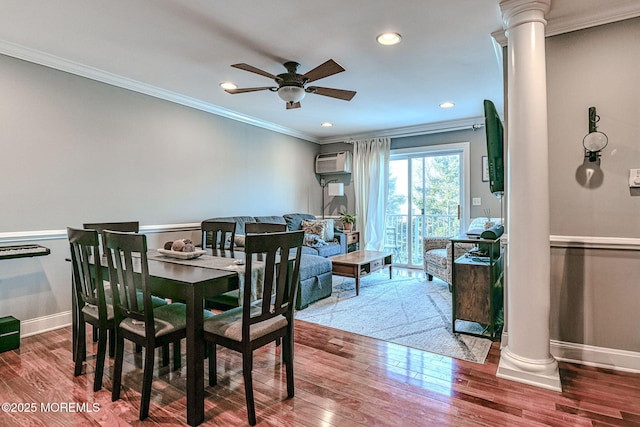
(291, 85)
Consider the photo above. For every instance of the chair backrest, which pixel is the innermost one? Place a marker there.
(100, 227)
(129, 275)
(281, 276)
(214, 234)
(87, 271)
(264, 227)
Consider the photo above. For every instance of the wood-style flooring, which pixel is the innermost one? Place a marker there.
(341, 379)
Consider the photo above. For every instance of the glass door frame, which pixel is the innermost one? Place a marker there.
(461, 148)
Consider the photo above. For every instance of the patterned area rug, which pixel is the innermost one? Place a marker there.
(408, 311)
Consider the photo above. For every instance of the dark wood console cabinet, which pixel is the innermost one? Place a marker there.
(477, 286)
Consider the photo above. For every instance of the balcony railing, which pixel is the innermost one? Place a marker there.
(397, 234)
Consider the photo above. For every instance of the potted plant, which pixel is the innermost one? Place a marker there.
(347, 220)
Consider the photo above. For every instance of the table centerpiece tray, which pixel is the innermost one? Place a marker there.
(182, 255)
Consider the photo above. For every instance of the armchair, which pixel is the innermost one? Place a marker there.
(437, 257)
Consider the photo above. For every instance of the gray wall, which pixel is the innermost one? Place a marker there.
(75, 150)
(595, 298)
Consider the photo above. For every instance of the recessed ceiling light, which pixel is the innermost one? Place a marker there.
(326, 124)
(228, 85)
(447, 104)
(389, 39)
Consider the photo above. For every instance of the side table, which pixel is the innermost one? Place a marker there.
(353, 240)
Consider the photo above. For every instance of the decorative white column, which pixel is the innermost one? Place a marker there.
(527, 356)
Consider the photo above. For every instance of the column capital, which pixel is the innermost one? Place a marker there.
(516, 12)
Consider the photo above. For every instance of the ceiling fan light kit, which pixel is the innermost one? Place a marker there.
(291, 85)
(291, 94)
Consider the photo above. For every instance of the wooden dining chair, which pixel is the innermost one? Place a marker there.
(264, 227)
(91, 303)
(143, 324)
(130, 227)
(255, 324)
(220, 236)
(124, 226)
(216, 235)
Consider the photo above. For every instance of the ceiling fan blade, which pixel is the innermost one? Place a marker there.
(345, 95)
(252, 69)
(327, 69)
(292, 105)
(250, 89)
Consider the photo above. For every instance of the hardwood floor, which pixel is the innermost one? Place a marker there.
(341, 379)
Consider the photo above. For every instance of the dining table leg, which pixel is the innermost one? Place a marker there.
(195, 357)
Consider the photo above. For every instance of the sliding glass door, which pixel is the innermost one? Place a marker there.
(425, 199)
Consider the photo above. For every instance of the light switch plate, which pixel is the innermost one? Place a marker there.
(476, 201)
(634, 177)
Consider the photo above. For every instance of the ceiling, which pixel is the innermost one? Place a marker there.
(181, 50)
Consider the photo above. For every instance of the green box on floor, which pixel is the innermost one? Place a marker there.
(9, 333)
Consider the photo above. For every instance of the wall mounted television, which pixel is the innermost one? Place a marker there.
(495, 151)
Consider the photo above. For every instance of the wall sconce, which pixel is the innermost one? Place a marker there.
(335, 189)
(594, 141)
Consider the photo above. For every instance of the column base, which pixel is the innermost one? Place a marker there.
(539, 373)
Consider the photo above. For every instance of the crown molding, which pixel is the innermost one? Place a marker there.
(61, 64)
(589, 17)
(592, 17)
(400, 132)
(71, 67)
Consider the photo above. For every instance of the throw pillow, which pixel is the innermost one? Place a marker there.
(313, 227)
(239, 241)
(321, 227)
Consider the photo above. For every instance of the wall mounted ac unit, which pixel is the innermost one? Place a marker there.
(333, 163)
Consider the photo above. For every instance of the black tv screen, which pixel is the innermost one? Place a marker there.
(495, 141)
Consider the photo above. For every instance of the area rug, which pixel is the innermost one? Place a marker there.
(409, 311)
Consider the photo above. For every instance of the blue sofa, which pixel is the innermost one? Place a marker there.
(315, 268)
(336, 242)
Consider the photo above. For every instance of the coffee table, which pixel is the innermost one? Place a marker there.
(359, 264)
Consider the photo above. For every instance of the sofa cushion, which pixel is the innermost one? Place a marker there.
(330, 250)
(313, 265)
(294, 220)
(315, 280)
(271, 219)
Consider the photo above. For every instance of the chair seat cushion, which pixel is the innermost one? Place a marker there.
(92, 311)
(229, 324)
(168, 318)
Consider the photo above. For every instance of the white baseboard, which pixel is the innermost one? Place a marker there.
(582, 354)
(45, 324)
(609, 358)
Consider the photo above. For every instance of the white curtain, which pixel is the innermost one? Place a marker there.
(371, 185)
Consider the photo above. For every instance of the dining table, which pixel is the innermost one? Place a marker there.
(191, 284)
